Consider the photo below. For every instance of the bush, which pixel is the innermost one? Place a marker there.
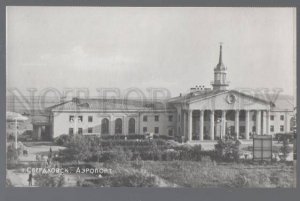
(122, 137)
(285, 149)
(136, 137)
(163, 137)
(62, 140)
(137, 163)
(113, 137)
(13, 153)
(170, 155)
(78, 149)
(117, 154)
(189, 152)
(92, 148)
(228, 150)
(49, 180)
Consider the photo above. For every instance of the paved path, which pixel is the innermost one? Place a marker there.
(18, 179)
(38, 149)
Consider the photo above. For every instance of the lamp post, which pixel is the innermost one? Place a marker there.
(15, 117)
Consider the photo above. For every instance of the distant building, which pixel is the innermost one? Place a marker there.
(202, 114)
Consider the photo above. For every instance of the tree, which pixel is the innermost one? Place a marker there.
(79, 149)
(96, 149)
(12, 153)
(228, 149)
(285, 149)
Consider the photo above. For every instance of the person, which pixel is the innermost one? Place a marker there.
(30, 179)
(37, 157)
(50, 153)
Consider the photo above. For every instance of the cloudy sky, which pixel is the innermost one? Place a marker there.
(173, 48)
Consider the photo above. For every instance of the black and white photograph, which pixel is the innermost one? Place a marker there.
(161, 97)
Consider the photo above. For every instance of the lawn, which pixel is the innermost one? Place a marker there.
(210, 174)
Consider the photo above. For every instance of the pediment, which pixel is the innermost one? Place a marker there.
(228, 100)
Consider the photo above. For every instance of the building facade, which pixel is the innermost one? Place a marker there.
(202, 114)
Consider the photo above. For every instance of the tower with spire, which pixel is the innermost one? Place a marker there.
(220, 73)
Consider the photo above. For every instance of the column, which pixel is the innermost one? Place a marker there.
(286, 122)
(258, 122)
(125, 126)
(237, 124)
(223, 129)
(136, 128)
(112, 125)
(75, 124)
(264, 116)
(100, 129)
(247, 123)
(212, 125)
(184, 125)
(201, 126)
(190, 123)
(268, 122)
(40, 132)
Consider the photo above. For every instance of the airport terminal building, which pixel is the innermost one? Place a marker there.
(202, 114)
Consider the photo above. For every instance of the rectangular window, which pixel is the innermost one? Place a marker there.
(156, 117)
(272, 128)
(281, 128)
(170, 132)
(79, 130)
(90, 130)
(272, 117)
(145, 118)
(80, 118)
(254, 118)
(71, 131)
(281, 117)
(156, 130)
(170, 118)
(253, 129)
(71, 118)
(144, 129)
(90, 118)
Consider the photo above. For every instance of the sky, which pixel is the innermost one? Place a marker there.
(171, 48)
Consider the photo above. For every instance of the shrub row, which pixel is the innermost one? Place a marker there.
(62, 140)
(96, 149)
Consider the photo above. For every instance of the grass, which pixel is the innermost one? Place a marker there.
(198, 175)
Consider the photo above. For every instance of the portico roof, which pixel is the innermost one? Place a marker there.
(198, 96)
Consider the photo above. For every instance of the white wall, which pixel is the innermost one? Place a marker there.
(61, 122)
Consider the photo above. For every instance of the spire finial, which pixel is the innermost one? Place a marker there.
(220, 57)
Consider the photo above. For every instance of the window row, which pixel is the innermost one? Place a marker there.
(80, 118)
(281, 128)
(90, 118)
(105, 127)
(272, 117)
(156, 118)
(156, 130)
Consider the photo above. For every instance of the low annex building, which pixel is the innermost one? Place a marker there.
(202, 114)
